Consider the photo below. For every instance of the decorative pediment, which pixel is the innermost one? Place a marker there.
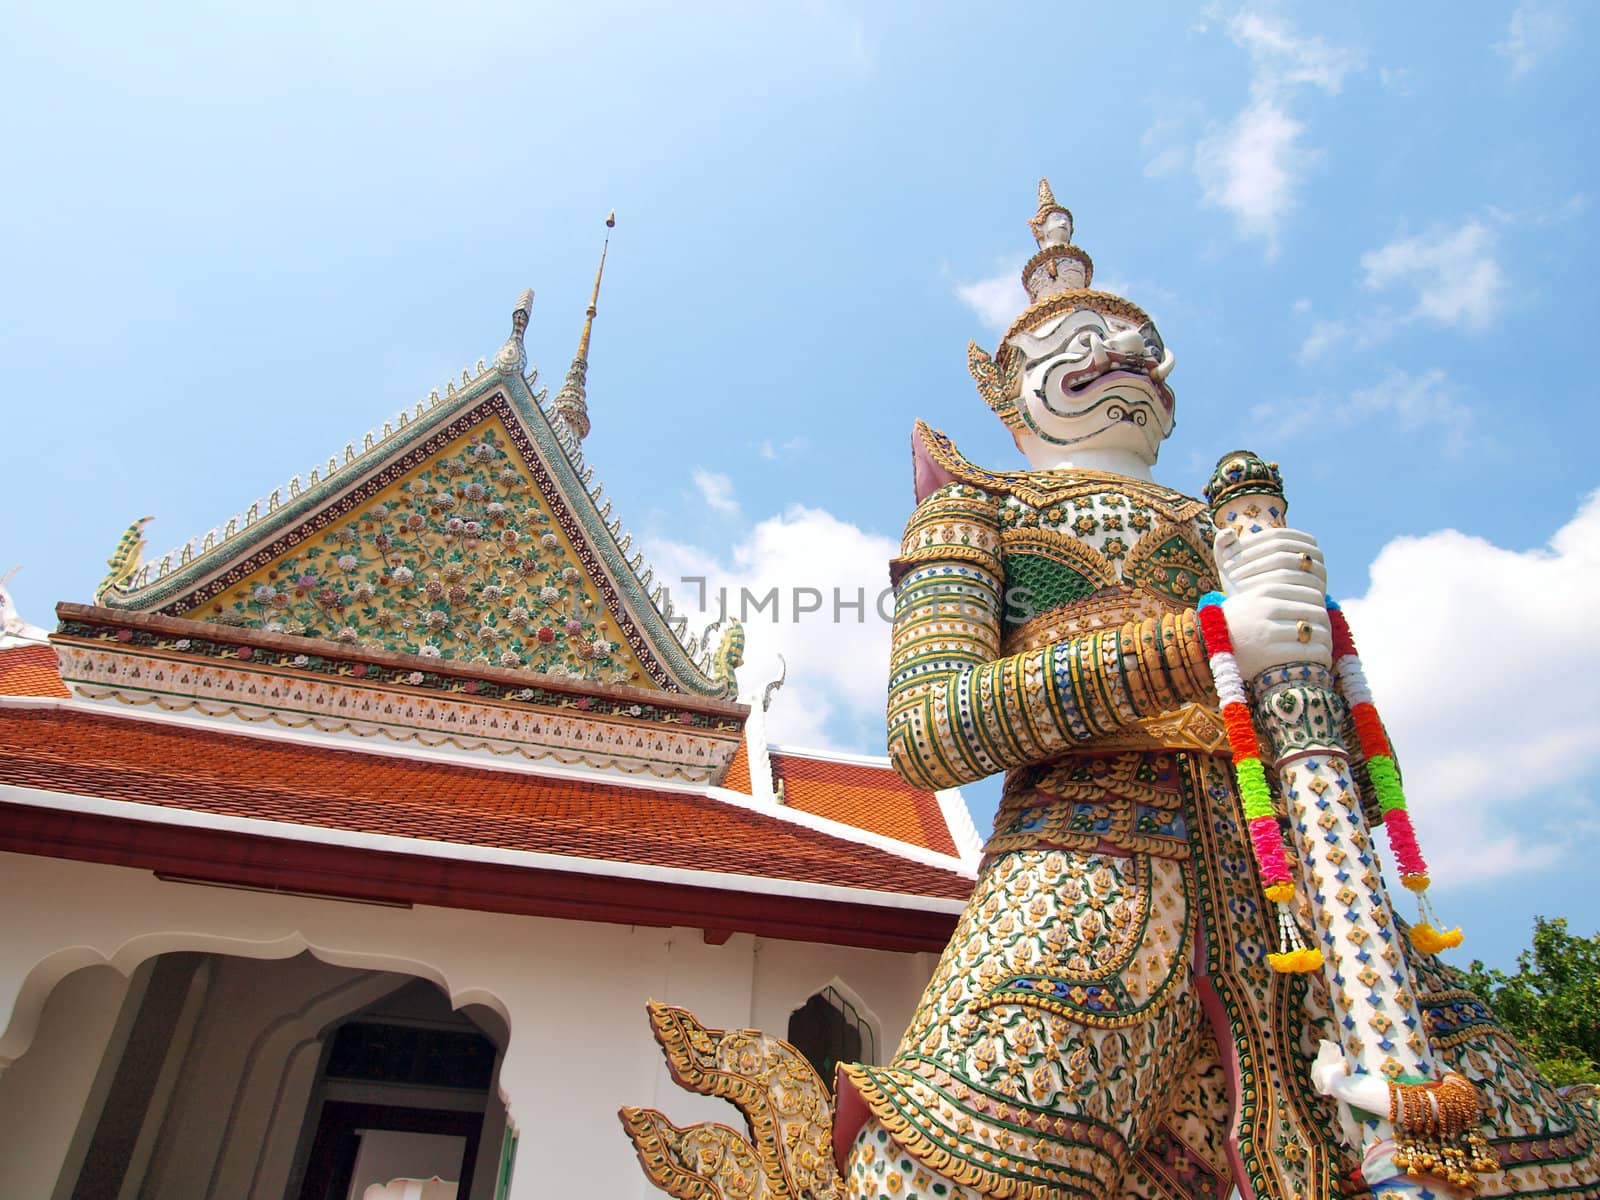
(460, 557)
(467, 534)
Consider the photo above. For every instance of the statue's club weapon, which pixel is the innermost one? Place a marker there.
(1300, 718)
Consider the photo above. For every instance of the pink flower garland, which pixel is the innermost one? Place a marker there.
(1255, 797)
(1386, 785)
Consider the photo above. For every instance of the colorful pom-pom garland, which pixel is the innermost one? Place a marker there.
(1293, 955)
(1386, 785)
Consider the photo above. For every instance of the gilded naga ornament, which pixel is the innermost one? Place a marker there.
(1180, 972)
(126, 559)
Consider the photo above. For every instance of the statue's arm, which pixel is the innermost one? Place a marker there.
(959, 710)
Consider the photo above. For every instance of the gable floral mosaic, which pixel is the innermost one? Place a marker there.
(460, 559)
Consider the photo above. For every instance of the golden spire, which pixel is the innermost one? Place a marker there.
(594, 296)
(571, 404)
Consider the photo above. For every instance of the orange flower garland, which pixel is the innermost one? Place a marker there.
(1255, 798)
(1385, 776)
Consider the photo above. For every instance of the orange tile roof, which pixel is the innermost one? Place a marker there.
(737, 777)
(867, 796)
(148, 762)
(31, 671)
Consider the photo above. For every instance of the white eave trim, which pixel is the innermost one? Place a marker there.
(838, 756)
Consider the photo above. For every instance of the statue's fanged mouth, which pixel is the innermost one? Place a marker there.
(1078, 384)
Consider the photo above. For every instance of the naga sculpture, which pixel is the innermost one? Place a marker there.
(126, 558)
(1180, 971)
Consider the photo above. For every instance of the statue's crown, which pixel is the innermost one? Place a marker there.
(1059, 266)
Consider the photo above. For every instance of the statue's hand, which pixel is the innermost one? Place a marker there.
(1276, 603)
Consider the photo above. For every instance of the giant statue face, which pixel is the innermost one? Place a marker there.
(1091, 380)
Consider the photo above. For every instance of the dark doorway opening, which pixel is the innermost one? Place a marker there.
(331, 1167)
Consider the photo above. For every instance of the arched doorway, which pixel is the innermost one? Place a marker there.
(401, 1094)
(210, 1075)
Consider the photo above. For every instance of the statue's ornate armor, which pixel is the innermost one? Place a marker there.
(1072, 1041)
(1045, 626)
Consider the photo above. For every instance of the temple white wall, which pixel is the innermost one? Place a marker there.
(42, 1094)
(571, 994)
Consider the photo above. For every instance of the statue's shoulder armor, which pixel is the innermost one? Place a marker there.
(937, 463)
(1058, 537)
(955, 523)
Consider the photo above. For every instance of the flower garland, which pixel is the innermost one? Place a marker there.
(1293, 956)
(1385, 776)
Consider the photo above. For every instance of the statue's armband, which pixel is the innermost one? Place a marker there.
(959, 710)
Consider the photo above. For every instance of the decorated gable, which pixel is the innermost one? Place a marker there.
(455, 583)
(468, 533)
(460, 557)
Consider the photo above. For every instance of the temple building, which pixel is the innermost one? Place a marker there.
(344, 846)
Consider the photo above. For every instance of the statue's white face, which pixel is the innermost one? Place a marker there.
(1056, 230)
(1094, 382)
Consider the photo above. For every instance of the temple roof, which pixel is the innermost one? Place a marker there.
(469, 529)
(867, 795)
(168, 767)
(849, 793)
(440, 651)
(30, 671)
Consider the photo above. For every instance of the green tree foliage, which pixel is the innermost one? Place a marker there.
(1552, 1002)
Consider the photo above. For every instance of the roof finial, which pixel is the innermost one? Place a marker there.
(513, 356)
(571, 402)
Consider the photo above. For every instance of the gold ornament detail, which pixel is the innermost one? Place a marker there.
(125, 559)
(997, 386)
(786, 1106)
(1047, 205)
(1436, 1130)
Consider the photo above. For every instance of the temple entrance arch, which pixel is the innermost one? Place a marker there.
(209, 1075)
(403, 1091)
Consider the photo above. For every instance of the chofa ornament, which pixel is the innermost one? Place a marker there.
(1162, 935)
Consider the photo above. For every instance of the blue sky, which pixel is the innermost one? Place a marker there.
(236, 238)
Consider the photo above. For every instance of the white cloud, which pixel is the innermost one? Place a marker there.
(1536, 31)
(1252, 166)
(1396, 80)
(1166, 161)
(773, 451)
(1453, 278)
(1486, 684)
(1454, 272)
(1166, 143)
(1544, 216)
(1282, 59)
(996, 300)
(838, 656)
(716, 490)
(1149, 296)
(1403, 401)
(1324, 336)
